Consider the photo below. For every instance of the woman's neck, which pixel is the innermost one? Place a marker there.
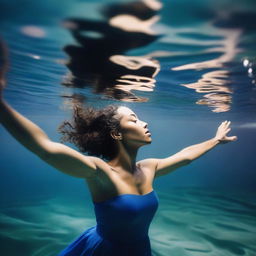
(125, 160)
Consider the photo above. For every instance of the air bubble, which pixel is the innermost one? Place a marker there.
(246, 62)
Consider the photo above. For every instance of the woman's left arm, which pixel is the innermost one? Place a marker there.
(188, 154)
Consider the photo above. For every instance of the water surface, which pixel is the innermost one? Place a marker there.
(183, 67)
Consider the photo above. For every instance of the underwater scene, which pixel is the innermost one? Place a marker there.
(183, 66)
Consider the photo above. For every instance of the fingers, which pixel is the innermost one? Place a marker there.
(223, 130)
(227, 128)
(224, 127)
(225, 124)
(232, 138)
(228, 123)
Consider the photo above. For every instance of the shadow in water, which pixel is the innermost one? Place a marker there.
(99, 60)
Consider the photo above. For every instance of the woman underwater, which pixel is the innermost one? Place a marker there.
(121, 188)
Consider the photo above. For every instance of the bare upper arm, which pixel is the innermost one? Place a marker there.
(162, 166)
(68, 160)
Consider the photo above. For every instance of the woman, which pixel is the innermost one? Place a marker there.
(121, 188)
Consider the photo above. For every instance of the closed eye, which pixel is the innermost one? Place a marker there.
(134, 120)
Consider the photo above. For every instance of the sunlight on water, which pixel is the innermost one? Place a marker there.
(125, 54)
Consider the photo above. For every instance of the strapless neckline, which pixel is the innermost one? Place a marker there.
(124, 195)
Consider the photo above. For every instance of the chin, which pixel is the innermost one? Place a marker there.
(146, 143)
(149, 141)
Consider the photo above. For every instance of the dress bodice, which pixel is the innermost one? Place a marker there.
(122, 228)
(126, 217)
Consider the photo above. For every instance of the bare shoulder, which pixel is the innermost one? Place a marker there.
(149, 163)
(99, 163)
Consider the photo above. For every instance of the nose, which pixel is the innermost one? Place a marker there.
(145, 125)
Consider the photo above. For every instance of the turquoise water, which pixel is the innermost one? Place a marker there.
(189, 222)
(193, 68)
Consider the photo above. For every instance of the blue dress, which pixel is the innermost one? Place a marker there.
(122, 228)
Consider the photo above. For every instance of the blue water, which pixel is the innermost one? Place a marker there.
(193, 68)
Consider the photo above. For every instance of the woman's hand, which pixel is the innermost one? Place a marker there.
(222, 131)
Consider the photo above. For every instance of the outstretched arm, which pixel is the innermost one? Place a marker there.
(188, 154)
(33, 138)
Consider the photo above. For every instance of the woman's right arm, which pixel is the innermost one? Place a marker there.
(33, 138)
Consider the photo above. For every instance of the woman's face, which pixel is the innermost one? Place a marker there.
(133, 130)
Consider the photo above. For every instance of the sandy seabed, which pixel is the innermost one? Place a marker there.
(189, 222)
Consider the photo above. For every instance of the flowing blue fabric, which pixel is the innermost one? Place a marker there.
(122, 228)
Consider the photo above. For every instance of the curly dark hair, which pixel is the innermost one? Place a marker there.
(90, 130)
